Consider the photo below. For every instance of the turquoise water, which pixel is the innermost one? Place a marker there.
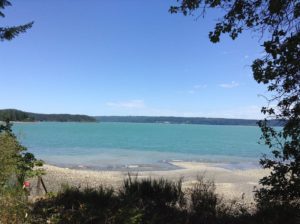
(143, 146)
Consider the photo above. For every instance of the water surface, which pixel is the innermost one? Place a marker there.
(143, 146)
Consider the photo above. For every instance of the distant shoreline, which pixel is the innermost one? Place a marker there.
(22, 116)
(185, 120)
(177, 120)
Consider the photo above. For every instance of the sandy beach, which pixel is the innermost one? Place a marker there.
(230, 183)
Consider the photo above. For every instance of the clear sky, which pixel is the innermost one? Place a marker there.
(125, 57)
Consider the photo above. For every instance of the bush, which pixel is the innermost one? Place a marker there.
(272, 213)
(148, 201)
(73, 205)
(204, 201)
(8, 159)
(16, 165)
(13, 206)
(153, 201)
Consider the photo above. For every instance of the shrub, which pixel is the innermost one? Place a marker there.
(73, 205)
(137, 201)
(15, 164)
(153, 201)
(13, 206)
(203, 202)
(272, 213)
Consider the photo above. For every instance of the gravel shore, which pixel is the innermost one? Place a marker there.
(230, 184)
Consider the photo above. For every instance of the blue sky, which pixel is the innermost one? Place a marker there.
(125, 58)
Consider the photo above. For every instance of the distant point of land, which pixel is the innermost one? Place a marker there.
(18, 115)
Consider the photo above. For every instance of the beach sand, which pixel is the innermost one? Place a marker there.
(230, 183)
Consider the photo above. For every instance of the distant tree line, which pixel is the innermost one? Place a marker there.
(184, 120)
(14, 115)
(18, 115)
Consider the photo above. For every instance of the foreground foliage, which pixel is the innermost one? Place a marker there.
(152, 201)
(16, 165)
(278, 23)
(8, 33)
(13, 205)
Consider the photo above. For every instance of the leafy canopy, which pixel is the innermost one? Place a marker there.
(278, 21)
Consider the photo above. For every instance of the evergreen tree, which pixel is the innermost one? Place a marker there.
(8, 33)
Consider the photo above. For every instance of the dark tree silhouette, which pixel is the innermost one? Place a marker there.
(278, 21)
(8, 33)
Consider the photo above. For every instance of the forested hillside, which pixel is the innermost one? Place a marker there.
(18, 115)
(182, 120)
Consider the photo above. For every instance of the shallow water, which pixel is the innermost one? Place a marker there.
(140, 146)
